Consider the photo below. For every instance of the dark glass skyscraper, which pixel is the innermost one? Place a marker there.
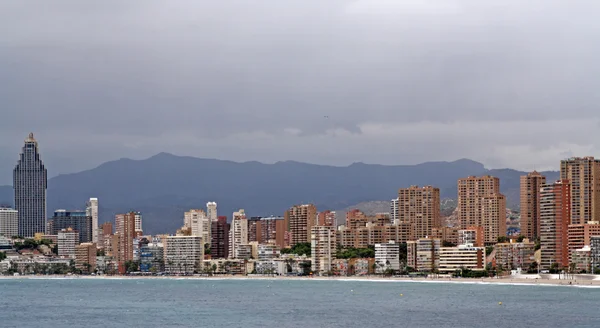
(30, 182)
(77, 220)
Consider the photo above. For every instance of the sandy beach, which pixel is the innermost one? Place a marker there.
(582, 281)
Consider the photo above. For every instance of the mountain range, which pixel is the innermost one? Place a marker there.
(163, 186)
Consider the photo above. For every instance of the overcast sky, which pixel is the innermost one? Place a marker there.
(509, 83)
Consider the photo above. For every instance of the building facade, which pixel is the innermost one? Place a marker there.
(77, 220)
(152, 258)
(555, 214)
(480, 203)
(394, 214)
(471, 235)
(327, 218)
(199, 222)
(515, 255)
(9, 222)
(238, 234)
(211, 211)
(453, 259)
(66, 241)
(387, 256)
(421, 208)
(30, 181)
(85, 257)
(301, 218)
(183, 254)
(423, 255)
(583, 174)
(91, 210)
(219, 247)
(530, 204)
(579, 236)
(126, 226)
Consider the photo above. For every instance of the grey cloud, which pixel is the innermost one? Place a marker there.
(231, 79)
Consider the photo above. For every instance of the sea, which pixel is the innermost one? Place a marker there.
(78, 302)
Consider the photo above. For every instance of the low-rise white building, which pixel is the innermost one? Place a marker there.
(387, 256)
(453, 259)
(268, 252)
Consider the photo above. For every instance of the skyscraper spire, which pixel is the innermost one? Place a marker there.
(30, 183)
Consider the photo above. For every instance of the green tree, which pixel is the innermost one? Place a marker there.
(520, 239)
(2, 256)
(131, 266)
(298, 249)
(207, 249)
(503, 239)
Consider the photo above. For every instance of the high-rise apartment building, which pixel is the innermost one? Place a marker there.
(394, 210)
(184, 254)
(273, 230)
(104, 233)
(530, 204)
(355, 219)
(199, 222)
(555, 214)
(9, 222)
(327, 218)
(211, 212)
(583, 175)
(219, 248)
(323, 248)
(238, 233)
(139, 231)
(30, 182)
(66, 241)
(301, 218)
(126, 225)
(77, 220)
(421, 208)
(480, 203)
(91, 210)
(255, 229)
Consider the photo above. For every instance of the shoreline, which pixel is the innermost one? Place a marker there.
(587, 283)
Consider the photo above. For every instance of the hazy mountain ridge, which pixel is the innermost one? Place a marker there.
(163, 186)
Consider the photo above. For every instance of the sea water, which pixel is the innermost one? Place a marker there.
(290, 303)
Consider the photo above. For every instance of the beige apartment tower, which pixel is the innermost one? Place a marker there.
(323, 248)
(301, 218)
(421, 208)
(530, 204)
(480, 204)
(583, 174)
